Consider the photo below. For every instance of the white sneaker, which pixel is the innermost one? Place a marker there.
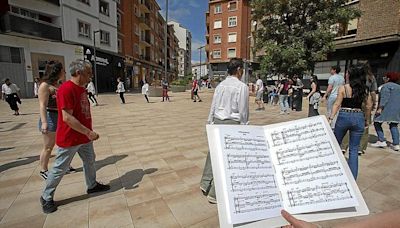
(281, 113)
(396, 147)
(379, 144)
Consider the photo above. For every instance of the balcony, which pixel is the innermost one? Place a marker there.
(14, 23)
(144, 6)
(144, 23)
(145, 40)
(144, 57)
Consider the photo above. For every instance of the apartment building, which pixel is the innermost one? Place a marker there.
(142, 42)
(228, 33)
(185, 48)
(199, 70)
(375, 37)
(31, 34)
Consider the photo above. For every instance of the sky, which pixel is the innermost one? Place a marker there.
(191, 15)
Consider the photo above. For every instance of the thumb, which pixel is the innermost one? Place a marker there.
(292, 220)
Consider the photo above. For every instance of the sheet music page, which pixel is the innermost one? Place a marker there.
(251, 185)
(309, 172)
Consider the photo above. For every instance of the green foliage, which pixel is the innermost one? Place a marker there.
(297, 33)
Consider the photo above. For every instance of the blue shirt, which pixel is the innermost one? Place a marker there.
(336, 81)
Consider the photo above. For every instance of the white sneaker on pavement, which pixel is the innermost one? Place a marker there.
(396, 147)
(379, 144)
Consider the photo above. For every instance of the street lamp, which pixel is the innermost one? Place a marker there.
(95, 65)
(200, 58)
(166, 40)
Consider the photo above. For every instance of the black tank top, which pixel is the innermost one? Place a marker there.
(351, 102)
(52, 104)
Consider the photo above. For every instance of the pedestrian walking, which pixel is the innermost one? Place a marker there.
(91, 90)
(145, 90)
(388, 111)
(36, 83)
(259, 93)
(334, 82)
(314, 97)
(11, 94)
(74, 134)
(297, 96)
(351, 117)
(165, 85)
(121, 90)
(47, 94)
(196, 92)
(283, 93)
(230, 105)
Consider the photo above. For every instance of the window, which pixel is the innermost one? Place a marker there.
(10, 54)
(231, 52)
(137, 31)
(217, 39)
(232, 37)
(137, 12)
(84, 29)
(218, 9)
(85, 1)
(217, 24)
(217, 54)
(103, 8)
(104, 37)
(24, 12)
(119, 45)
(136, 49)
(118, 20)
(232, 21)
(232, 6)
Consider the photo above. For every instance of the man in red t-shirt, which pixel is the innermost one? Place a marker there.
(74, 134)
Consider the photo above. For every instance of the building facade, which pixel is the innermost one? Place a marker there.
(185, 48)
(374, 37)
(30, 35)
(142, 42)
(228, 33)
(200, 70)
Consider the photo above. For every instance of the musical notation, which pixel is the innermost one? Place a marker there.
(298, 133)
(299, 152)
(321, 193)
(256, 202)
(251, 182)
(248, 161)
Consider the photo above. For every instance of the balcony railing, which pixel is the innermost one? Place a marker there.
(15, 23)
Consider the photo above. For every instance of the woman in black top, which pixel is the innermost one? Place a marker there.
(351, 117)
(314, 97)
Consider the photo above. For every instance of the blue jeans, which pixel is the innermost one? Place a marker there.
(284, 103)
(353, 122)
(393, 130)
(61, 165)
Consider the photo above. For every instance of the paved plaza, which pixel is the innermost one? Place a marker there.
(153, 155)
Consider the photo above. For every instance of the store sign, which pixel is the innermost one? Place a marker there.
(101, 61)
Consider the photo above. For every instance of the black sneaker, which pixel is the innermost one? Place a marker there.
(71, 170)
(98, 188)
(48, 206)
(44, 174)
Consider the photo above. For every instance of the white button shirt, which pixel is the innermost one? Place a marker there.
(7, 90)
(230, 101)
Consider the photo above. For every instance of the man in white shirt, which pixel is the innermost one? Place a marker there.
(10, 93)
(230, 105)
(259, 94)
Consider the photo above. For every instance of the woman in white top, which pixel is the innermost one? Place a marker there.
(91, 92)
(145, 90)
(10, 93)
(36, 87)
(121, 90)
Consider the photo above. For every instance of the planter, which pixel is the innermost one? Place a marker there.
(155, 91)
(178, 88)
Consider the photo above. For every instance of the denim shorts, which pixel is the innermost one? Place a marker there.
(52, 117)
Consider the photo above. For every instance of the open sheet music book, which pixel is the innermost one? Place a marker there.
(297, 166)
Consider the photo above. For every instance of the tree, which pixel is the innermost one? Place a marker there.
(295, 34)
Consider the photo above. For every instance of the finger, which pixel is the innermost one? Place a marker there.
(292, 220)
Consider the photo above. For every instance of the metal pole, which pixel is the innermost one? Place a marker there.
(95, 67)
(200, 61)
(166, 40)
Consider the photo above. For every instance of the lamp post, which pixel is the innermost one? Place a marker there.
(94, 61)
(200, 58)
(166, 40)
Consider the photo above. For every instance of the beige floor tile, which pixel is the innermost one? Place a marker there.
(186, 214)
(32, 221)
(169, 183)
(154, 213)
(142, 192)
(178, 162)
(380, 201)
(25, 205)
(191, 176)
(109, 212)
(77, 216)
(210, 222)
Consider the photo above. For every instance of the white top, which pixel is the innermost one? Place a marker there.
(36, 88)
(145, 89)
(9, 89)
(120, 87)
(90, 88)
(260, 85)
(230, 101)
(336, 81)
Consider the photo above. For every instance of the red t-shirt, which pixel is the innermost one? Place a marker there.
(72, 97)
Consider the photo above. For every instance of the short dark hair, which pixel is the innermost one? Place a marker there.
(336, 68)
(234, 64)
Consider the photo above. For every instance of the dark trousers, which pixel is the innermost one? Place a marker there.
(12, 100)
(121, 95)
(147, 99)
(297, 100)
(92, 98)
(312, 111)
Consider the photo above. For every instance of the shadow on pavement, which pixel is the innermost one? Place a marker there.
(19, 162)
(106, 161)
(129, 180)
